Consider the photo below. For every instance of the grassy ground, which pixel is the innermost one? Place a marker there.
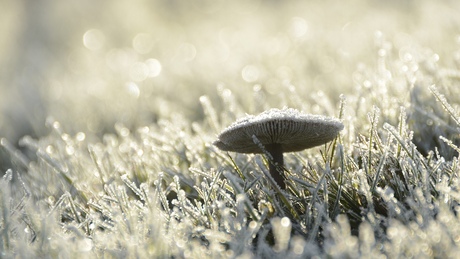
(124, 165)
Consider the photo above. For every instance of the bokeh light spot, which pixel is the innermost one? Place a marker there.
(120, 59)
(154, 67)
(139, 71)
(250, 73)
(93, 39)
(298, 27)
(186, 52)
(143, 43)
(133, 89)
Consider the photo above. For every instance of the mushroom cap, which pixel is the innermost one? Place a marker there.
(293, 130)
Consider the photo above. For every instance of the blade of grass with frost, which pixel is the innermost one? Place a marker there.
(366, 191)
(453, 171)
(63, 173)
(94, 158)
(336, 207)
(131, 185)
(293, 189)
(15, 154)
(162, 198)
(382, 163)
(313, 232)
(277, 189)
(238, 190)
(211, 187)
(5, 196)
(402, 126)
(59, 202)
(374, 119)
(343, 102)
(436, 119)
(445, 104)
(392, 130)
(251, 184)
(314, 196)
(237, 169)
(328, 172)
(349, 199)
(19, 206)
(304, 183)
(205, 208)
(230, 104)
(187, 208)
(210, 113)
(450, 144)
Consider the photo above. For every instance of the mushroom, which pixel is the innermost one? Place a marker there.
(276, 131)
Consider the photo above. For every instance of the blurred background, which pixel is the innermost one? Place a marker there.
(91, 64)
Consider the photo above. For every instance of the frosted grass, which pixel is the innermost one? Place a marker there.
(165, 191)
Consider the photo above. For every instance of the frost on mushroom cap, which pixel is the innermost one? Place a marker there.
(295, 131)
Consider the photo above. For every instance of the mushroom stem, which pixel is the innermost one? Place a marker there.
(276, 164)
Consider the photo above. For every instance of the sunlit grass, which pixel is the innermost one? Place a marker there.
(128, 170)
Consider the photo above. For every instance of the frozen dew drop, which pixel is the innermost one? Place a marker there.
(404, 69)
(92, 226)
(252, 225)
(240, 198)
(367, 84)
(70, 150)
(122, 130)
(93, 39)
(66, 137)
(56, 125)
(85, 245)
(144, 130)
(49, 149)
(80, 136)
(285, 222)
(226, 93)
(51, 200)
(407, 57)
(378, 35)
(8, 176)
